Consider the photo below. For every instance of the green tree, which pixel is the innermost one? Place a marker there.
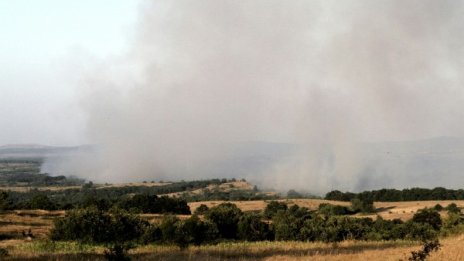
(273, 207)
(5, 202)
(428, 216)
(252, 228)
(225, 216)
(362, 204)
(453, 208)
(95, 226)
(202, 209)
(41, 201)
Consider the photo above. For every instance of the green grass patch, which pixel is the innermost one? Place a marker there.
(65, 247)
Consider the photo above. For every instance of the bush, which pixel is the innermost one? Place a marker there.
(225, 216)
(41, 201)
(145, 203)
(152, 234)
(273, 207)
(417, 231)
(196, 231)
(428, 216)
(251, 228)
(293, 194)
(438, 207)
(287, 224)
(95, 226)
(331, 210)
(168, 228)
(92, 201)
(5, 203)
(202, 209)
(117, 252)
(452, 221)
(362, 204)
(453, 208)
(3, 252)
(427, 248)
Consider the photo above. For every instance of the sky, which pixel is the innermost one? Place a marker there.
(41, 44)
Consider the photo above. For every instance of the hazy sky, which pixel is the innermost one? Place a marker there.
(41, 43)
(391, 69)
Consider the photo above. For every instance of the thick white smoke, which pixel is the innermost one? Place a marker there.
(204, 76)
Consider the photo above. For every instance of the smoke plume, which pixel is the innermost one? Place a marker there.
(205, 80)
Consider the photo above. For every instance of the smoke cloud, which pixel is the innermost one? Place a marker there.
(204, 81)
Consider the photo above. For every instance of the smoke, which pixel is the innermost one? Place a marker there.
(202, 78)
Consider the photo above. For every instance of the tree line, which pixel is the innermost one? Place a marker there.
(388, 195)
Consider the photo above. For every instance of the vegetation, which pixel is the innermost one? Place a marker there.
(26, 172)
(413, 194)
(426, 250)
(95, 226)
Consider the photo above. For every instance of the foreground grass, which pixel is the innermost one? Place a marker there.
(245, 251)
(348, 250)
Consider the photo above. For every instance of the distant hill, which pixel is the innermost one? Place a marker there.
(19, 151)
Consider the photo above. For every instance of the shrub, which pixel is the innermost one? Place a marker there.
(452, 221)
(117, 252)
(41, 201)
(152, 234)
(92, 201)
(202, 209)
(95, 226)
(5, 203)
(428, 216)
(168, 227)
(362, 204)
(225, 216)
(417, 231)
(3, 252)
(146, 203)
(438, 207)
(427, 248)
(273, 207)
(251, 228)
(196, 231)
(453, 208)
(287, 224)
(330, 210)
(293, 194)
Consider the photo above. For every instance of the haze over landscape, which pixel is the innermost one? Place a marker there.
(310, 95)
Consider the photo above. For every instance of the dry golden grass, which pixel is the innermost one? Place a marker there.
(39, 222)
(225, 187)
(258, 205)
(260, 251)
